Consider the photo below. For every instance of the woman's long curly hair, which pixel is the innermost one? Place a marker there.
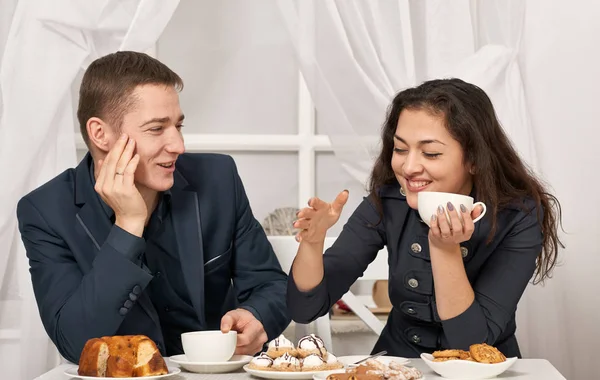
(501, 177)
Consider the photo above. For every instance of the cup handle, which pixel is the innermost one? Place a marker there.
(482, 213)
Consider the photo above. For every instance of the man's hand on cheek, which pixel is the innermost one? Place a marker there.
(115, 185)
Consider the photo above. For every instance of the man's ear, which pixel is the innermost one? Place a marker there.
(100, 134)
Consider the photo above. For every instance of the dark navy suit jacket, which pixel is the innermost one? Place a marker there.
(86, 286)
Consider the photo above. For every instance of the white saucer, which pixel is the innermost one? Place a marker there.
(236, 362)
(281, 375)
(72, 373)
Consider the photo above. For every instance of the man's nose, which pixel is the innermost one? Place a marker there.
(176, 144)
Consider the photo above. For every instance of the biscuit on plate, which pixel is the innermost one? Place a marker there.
(485, 353)
(447, 354)
(445, 359)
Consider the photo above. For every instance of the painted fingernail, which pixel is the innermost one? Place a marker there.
(450, 206)
(463, 208)
(130, 142)
(440, 209)
(123, 136)
(433, 218)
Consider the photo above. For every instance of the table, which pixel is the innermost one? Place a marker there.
(524, 369)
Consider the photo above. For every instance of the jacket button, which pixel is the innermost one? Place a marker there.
(411, 311)
(402, 192)
(416, 339)
(464, 251)
(123, 310)
(413, 283)
(416, 248)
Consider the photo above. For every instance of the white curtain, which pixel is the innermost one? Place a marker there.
(48, 43)
(355, 55)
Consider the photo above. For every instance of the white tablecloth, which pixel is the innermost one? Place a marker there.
(524, 369)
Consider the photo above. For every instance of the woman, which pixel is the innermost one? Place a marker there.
(455, 283)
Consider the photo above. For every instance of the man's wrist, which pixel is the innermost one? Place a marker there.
(133, 226)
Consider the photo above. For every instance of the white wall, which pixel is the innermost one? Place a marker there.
(561, 68)
(241, 76)
(248, 83)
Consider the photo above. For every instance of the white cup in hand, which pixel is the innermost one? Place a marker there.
(429, 201)
(209, 346)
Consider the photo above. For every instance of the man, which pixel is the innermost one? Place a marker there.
(142, 238)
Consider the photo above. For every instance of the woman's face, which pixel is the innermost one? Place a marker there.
(427, 158)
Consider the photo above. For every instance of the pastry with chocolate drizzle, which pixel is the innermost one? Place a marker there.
(311, 344)
(281, 346)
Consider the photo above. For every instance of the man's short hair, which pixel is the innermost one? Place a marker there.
(108, 83)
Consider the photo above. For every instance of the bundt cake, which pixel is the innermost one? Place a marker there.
(121, 356)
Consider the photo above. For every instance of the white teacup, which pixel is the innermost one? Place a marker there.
(208, 346)
(430, 200)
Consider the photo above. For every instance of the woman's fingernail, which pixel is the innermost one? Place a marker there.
(123, 136)
(440, 209)
(463, 208)
(450, 206)
(433, 218)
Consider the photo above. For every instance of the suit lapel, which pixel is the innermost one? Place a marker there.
(188, 231)
(91, 215)
(96, 223)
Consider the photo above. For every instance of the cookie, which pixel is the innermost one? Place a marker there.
(447, 354)
(465, 355)
(485, 353)
(445, 359)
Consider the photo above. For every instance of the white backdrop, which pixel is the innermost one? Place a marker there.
(538, 64)
(537, 59)
(560, 63)
(47, 45)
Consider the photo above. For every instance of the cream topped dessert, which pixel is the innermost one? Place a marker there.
(309, 355)
(332, 362)
(313, 362)
(280, 346)
(311, 344)
(287, 363)
(262, 362)
(281, 342)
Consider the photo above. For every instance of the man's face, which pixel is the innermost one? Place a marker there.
(155, 124)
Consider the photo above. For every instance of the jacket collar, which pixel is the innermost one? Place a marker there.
(186, 216)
